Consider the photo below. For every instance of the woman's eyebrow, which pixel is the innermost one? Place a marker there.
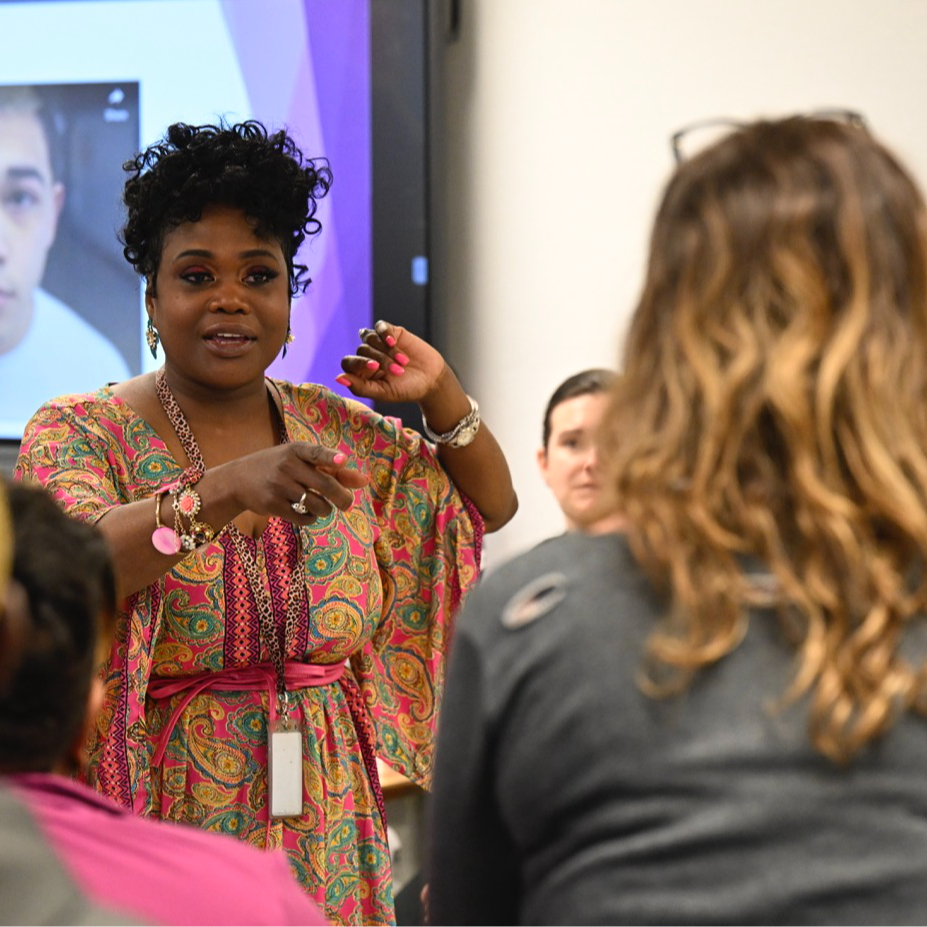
(206, 253)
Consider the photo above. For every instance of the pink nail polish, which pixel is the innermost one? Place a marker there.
(340, 458)
(402, 358)
(372, 365)
(390, 340)
(342, 379)
(396, 369)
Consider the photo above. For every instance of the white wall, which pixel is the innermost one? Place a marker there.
(558, 123)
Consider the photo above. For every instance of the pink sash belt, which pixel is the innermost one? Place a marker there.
(260, 676)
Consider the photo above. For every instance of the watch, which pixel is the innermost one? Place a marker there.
(462, 433)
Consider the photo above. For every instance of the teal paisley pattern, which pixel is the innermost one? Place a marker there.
(381, 582)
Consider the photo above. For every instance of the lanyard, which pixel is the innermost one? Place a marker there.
(194, 472)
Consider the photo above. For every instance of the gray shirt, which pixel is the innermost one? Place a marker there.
(563, 795)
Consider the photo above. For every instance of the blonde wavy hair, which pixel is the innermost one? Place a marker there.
(768, 440)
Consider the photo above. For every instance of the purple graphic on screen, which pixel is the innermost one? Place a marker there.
(319, 87)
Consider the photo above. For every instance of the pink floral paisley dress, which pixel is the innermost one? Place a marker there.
(382, 582)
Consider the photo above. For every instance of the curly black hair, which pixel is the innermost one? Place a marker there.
(242, 166)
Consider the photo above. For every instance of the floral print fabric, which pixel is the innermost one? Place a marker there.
(381, 583)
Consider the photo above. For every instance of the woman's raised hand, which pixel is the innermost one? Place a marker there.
(391, 365)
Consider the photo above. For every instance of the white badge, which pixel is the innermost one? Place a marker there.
(285, 771)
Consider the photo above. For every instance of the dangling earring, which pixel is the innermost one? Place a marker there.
(151, 336)
(290, 338)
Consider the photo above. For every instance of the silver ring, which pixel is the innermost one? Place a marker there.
(300, 507)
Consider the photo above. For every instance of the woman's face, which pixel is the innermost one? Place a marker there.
(222, 300)
(569, 463)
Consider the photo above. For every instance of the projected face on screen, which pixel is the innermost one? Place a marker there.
(67, 298)
(292, 63)
(30, 201)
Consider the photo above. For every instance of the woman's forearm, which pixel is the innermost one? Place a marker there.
(480, 469)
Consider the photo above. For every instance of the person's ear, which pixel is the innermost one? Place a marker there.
(150, 297)
(78, 755)
(58, 194)
(94, 703)
(15, 622)
(542, 463)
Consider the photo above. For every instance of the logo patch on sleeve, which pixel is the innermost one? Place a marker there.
(534, 600)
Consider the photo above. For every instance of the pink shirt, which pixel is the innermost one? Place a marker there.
(157, 871)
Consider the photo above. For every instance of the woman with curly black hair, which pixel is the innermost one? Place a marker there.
(288, 561)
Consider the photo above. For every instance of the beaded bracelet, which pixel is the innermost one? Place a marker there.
(186, 504)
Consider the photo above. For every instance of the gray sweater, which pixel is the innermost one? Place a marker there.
(562, 795)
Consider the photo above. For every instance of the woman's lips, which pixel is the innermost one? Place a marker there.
(229, 344)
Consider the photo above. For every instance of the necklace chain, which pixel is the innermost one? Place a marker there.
(252, 571)
(182, 429)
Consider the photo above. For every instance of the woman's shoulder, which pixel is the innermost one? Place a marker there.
(573, 553)
(101, 404)
(303, 393)
(557, 571)
(86, 427)
(555, 607)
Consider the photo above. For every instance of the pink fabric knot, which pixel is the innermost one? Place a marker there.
(259, 676)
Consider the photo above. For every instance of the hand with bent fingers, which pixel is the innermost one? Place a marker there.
(272, 481)
(391, 365)
(267, 483)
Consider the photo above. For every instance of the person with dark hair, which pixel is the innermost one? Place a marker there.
(10, 631)
(123, 863)
(288, 561)
(718, 716)
(568, 457)
(38, 332)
